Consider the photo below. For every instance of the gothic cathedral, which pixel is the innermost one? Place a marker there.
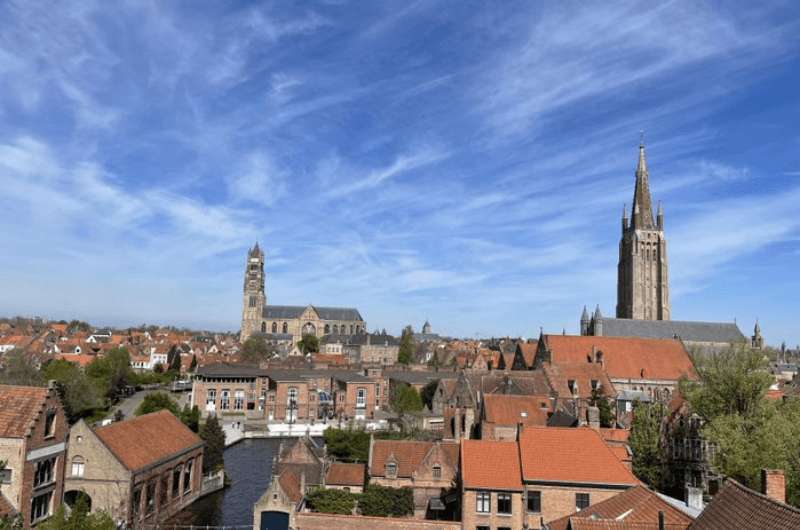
(643, 271)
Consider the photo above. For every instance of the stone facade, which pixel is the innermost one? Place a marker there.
(258, 317)
(643, 270)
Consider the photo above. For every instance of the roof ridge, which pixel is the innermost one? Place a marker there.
(757, 493)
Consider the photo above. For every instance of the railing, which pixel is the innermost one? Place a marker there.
(212, 482)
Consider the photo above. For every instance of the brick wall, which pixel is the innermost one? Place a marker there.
(471, 518)
(558, 501)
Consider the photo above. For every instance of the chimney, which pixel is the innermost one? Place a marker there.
(773, 484)
(694, 497)
(593, 417)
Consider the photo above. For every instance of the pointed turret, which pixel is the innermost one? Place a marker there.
(585, 321)
(597, 314)
(625, 220)
(642, 203)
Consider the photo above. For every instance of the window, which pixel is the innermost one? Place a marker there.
(581, 501)
(534, 501)
(225, 402)
(503, 528)
(263, 327)
(327, 329)
(292, 400)
(164, 490)
(335, 329)
(150, 499)
(361, 398)
(50, 423)
(5, 476)
(77, 466)
(43, 473)
(351, 329)
(238, 400)
(482, 527)
(187, 476)
(504, 503)
(137, 502)
(391, 469)
(274, 327)
(437, 471)
(285, 327)
(211, 399)
(176, 481)
(252, 301)
(40, 506)
(483, 502)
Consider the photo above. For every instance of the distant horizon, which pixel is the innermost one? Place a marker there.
(466, 165)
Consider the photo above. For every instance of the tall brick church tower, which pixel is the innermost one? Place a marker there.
(643, 271)
(255, 297)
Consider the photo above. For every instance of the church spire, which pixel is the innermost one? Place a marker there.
(642, 204)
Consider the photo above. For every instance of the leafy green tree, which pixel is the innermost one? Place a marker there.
(383, 501)
(212, 434)
(406, 399)
(351, 445)
(255, 350)
(78, 519)
(79, 396)
(331, 501)
(155, 402)
(645, 441)
(111, 373)
(309, 344)
(428, 393)
(158, 368)
(190, 416)
(79, 326)
(20, 369)
(175, 365)
(407, 346)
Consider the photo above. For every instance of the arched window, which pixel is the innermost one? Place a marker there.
(437, 471)
(335, 329)
(351, 329)
(263, 327)
(285, 327)
(274, 327)
(78, 466)
(327, 329)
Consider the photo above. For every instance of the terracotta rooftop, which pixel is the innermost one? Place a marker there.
(407, 453)
(341, 474)
(637, 507)
(511, 410)
(19, 408)
(582, 374)
(528, 350)
(625, 357)
(574, 455)
(142, 441)
(491, 465)
(290, 484)
(736, 506)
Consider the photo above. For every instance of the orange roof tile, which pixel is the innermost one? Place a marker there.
(407, 453)
(290, 483)
(142, 441)
(511, 410)
(528, 350)
(82, 360)
(583, 374)
(625, 357)
(19, 407)
(574, 455)
(491, 465)
(341, 474)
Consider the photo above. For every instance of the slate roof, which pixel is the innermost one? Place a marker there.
(325, 313)
(341, 474)
(571, 455)
(143, 441)
(636, 507)
(19, 408)
(360, 339)
(491, 465)
(738, 507)
(231, 370)
(721, 332)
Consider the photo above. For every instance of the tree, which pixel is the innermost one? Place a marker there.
(254, 350)
(175, 365)
(158, 368)
(79, 518)
(78, 326)
(155, 402)
(309, 344)
(406, 399)
(193, 366)
(407, 346)
(428, 393)
(383, 501)
(351, 445)
(212, 434)
(20, 369)
(434, 362)
(645, 442)
(111, 373)
(79, 396)
(599, 400)
(331, 501)
(191, 417)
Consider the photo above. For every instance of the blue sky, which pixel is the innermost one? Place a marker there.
(465, 162)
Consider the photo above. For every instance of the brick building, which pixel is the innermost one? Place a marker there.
(139, 470)
(33, 444)
(225, 388)
(502, 414)
(491, 486)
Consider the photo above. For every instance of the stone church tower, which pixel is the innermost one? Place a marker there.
(255, 297)
(643, 271)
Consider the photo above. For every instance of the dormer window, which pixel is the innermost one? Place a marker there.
(437, 471)
(595, 384)
(573, 386)
(391, 470)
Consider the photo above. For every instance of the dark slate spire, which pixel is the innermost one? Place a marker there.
(642, 217)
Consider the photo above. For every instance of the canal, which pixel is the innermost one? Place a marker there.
(249, 468)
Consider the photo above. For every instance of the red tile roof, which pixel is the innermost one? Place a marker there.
(487, 464)
(290, 484)
(142, 441)
(341, 474)
(407, 453)
(634, 508)
(559, 376)
(528, 350)
(511, 410)
(574, 455)
(19, 408)
(625, 357)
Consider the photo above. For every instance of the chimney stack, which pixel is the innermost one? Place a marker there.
(694, 497)
(773, 484)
